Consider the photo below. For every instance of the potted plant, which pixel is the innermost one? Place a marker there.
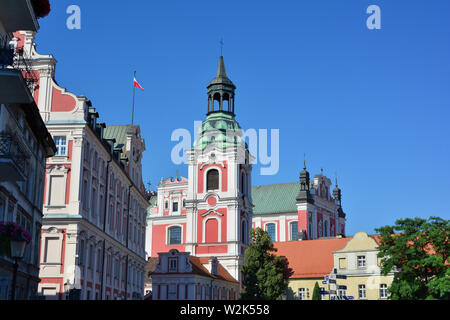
(11, 231)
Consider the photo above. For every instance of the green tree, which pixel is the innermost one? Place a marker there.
(419, 250)
(265, 275)
(316, 295)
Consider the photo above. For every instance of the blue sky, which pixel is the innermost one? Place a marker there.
(371, 106)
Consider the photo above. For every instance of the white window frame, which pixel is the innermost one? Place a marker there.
(361, 263)
(362, 289)
(168, 235)
(59, 146)
(384, 290)
(290, 230)
(301, 293)
(276, 233)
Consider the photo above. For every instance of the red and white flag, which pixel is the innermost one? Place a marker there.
(137, 85)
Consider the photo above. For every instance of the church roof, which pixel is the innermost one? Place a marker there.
(275, 198)
(220, 128)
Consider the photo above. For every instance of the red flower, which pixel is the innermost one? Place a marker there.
(41, 8)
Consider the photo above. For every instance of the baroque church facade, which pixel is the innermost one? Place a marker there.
(209, 214)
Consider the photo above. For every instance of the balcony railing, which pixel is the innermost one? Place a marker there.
(16, 59)
(12, 159)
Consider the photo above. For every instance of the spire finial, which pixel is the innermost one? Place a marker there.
(221, 46)
(321, 170)
(304, 162)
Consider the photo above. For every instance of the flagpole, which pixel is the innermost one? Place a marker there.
(134, 93)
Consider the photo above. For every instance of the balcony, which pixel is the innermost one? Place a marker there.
(12, 159)
(18, 15)
(17, 79)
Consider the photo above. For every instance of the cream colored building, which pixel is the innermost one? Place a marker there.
(318, 261)
(359, 262)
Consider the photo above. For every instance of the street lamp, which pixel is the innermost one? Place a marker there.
(17, 253)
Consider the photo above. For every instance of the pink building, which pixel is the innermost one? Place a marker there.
(209, 213)
(93, 233)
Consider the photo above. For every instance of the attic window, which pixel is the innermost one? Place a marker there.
(173, 264)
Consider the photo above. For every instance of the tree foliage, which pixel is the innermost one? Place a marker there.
(316, 295)
(419, 250)
(265, 275)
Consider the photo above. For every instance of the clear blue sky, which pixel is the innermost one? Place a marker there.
(371, 106)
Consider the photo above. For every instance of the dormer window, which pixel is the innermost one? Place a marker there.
(173, 264)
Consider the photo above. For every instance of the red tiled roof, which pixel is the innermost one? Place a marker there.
(199, 269)
(222, 272)
(310, 258)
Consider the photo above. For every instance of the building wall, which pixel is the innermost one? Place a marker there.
(91, 202)
(307, 285)
(20, 198)
(369, 274)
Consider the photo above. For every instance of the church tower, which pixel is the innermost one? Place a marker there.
(219, 201)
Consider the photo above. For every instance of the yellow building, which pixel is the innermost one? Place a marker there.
(354, 258)
(358, 261)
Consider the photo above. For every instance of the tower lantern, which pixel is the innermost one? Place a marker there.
(221, 91)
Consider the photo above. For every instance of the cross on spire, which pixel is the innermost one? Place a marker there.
(221, 46)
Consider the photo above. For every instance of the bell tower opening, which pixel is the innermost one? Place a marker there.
(221, 91)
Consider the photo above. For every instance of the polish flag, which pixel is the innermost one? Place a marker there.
(137, 85)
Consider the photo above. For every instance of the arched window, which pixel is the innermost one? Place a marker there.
(174, 235)
(212, 231)
(244, 233)
(271, 230)
(294, 231)
(212, 178)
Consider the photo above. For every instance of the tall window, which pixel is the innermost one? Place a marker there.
(361, 261)
(325, 229)
(341, 293)
(175, 206)
(270, 228)
(383, 291)
(362, 291)
(94, 203)
(244, 233)
(242, 183)
(81, 253)
(99, 260)
(212, 180)
(294, 231)
(91, 257)
(175, 235)
(301, 294)
(61, 146)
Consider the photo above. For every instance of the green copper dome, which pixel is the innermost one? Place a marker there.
(215, 128)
